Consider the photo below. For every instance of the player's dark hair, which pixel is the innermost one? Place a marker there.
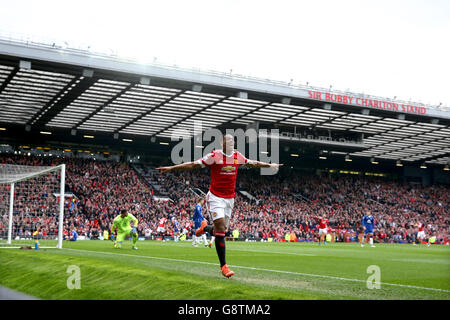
(123, 211)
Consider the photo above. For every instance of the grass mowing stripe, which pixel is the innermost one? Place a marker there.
(148, 257)
(262, 269)
(43, 274)
(276, 252)
(272, 252)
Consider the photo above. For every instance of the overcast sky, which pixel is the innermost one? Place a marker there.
(381, 47)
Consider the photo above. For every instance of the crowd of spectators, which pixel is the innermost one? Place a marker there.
(396, 207)
(287, 203)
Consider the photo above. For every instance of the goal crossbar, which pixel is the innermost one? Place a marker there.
(31, 175)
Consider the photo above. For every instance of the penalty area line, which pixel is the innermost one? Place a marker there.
(260, 269)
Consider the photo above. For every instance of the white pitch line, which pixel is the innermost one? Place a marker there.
(270, 252)
(278, 252)
(262, 269)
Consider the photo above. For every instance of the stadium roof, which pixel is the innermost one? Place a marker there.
(47, 87)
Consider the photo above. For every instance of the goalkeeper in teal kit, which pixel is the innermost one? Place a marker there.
(121, 223)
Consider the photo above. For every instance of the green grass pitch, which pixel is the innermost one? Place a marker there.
(264, 271)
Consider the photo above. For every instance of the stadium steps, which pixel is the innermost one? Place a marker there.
(142, 173)
(300, 197)
(249, 196)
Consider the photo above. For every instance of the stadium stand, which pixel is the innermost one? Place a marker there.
(286, 203)
(74, 99)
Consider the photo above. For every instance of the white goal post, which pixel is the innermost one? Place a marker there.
(29, 204)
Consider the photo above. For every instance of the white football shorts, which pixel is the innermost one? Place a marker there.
(219, 207)
(161, 229)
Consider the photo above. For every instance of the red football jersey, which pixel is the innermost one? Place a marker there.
(162, 222)
(420, 226)
(323, 223)
(223, 172)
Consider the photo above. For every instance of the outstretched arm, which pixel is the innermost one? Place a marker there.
(260, 164)
(181, 166)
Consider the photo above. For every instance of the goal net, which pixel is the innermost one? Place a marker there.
(30, 206)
